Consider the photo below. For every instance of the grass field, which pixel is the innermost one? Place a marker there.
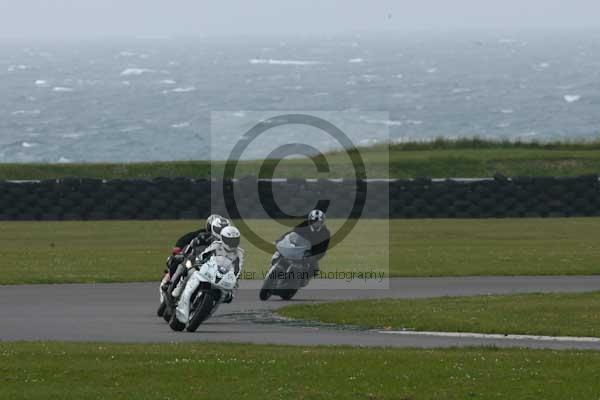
(437, 159)
(531, 314)
(216, 371)
(120, 251)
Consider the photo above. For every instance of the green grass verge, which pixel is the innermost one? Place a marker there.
(122, 251)
(217, 371)
(530, 314)
(437, 159)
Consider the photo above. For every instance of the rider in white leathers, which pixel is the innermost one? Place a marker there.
(227, 246)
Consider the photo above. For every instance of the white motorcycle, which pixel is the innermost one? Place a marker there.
(291, 272)
(210, 284)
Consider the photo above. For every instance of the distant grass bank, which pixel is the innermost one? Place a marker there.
(527, 314)
(437, 159)
(217, 371)
(126, 251)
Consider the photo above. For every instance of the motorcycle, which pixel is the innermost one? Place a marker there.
(210, 284)
(292, 270)
(171, 286)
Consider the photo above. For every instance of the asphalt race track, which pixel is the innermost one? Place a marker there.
(126, 313)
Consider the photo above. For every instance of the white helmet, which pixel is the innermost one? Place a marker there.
(316, 220)
(230, 236)
(210, 220)
(217, 225)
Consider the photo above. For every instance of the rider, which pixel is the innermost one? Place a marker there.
(203, 236)
(227, 246)
(312, 229)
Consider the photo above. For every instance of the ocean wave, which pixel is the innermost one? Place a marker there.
(461, 90)
(28, 144)
(386, 122)
(572, 98)
(356, 60)
(432, 70)
(168, 82)
(131, 129)
(70, 135)
(271, 61)
(21, 67)
(62, 89)
(135, 71)
(239, 114)
(180, 125)
(507, 111)
(26, 112)
(41, 82)
(182, 89)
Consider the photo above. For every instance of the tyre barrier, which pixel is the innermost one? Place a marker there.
(181, 198)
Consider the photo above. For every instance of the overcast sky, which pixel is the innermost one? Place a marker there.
(75, 18)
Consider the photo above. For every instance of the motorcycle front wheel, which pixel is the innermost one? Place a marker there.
(205, 305)
(287, 294)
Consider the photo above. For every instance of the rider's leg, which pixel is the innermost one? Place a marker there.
(182, 311)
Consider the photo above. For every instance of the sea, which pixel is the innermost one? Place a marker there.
(178, 98)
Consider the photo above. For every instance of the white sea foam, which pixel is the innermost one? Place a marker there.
(168, 82)
(180, 125)
(70, 135)
(25, 112)
(461, 90)
(369, 77)
(544, 65)
(20, 67)
(572, 98)
(131, 129)
(239, 114)
(432, 70)
(41, 82)
(184, 89)
(385, 122)
(356, 60)
(28, 144)
(507, 111)
(62, 89)
(135, 71)
(271, 61)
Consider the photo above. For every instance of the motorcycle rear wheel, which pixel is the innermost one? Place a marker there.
(161, 309)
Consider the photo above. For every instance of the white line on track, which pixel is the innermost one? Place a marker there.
(495, 336)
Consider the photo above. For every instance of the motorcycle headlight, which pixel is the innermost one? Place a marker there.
(223, 270)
